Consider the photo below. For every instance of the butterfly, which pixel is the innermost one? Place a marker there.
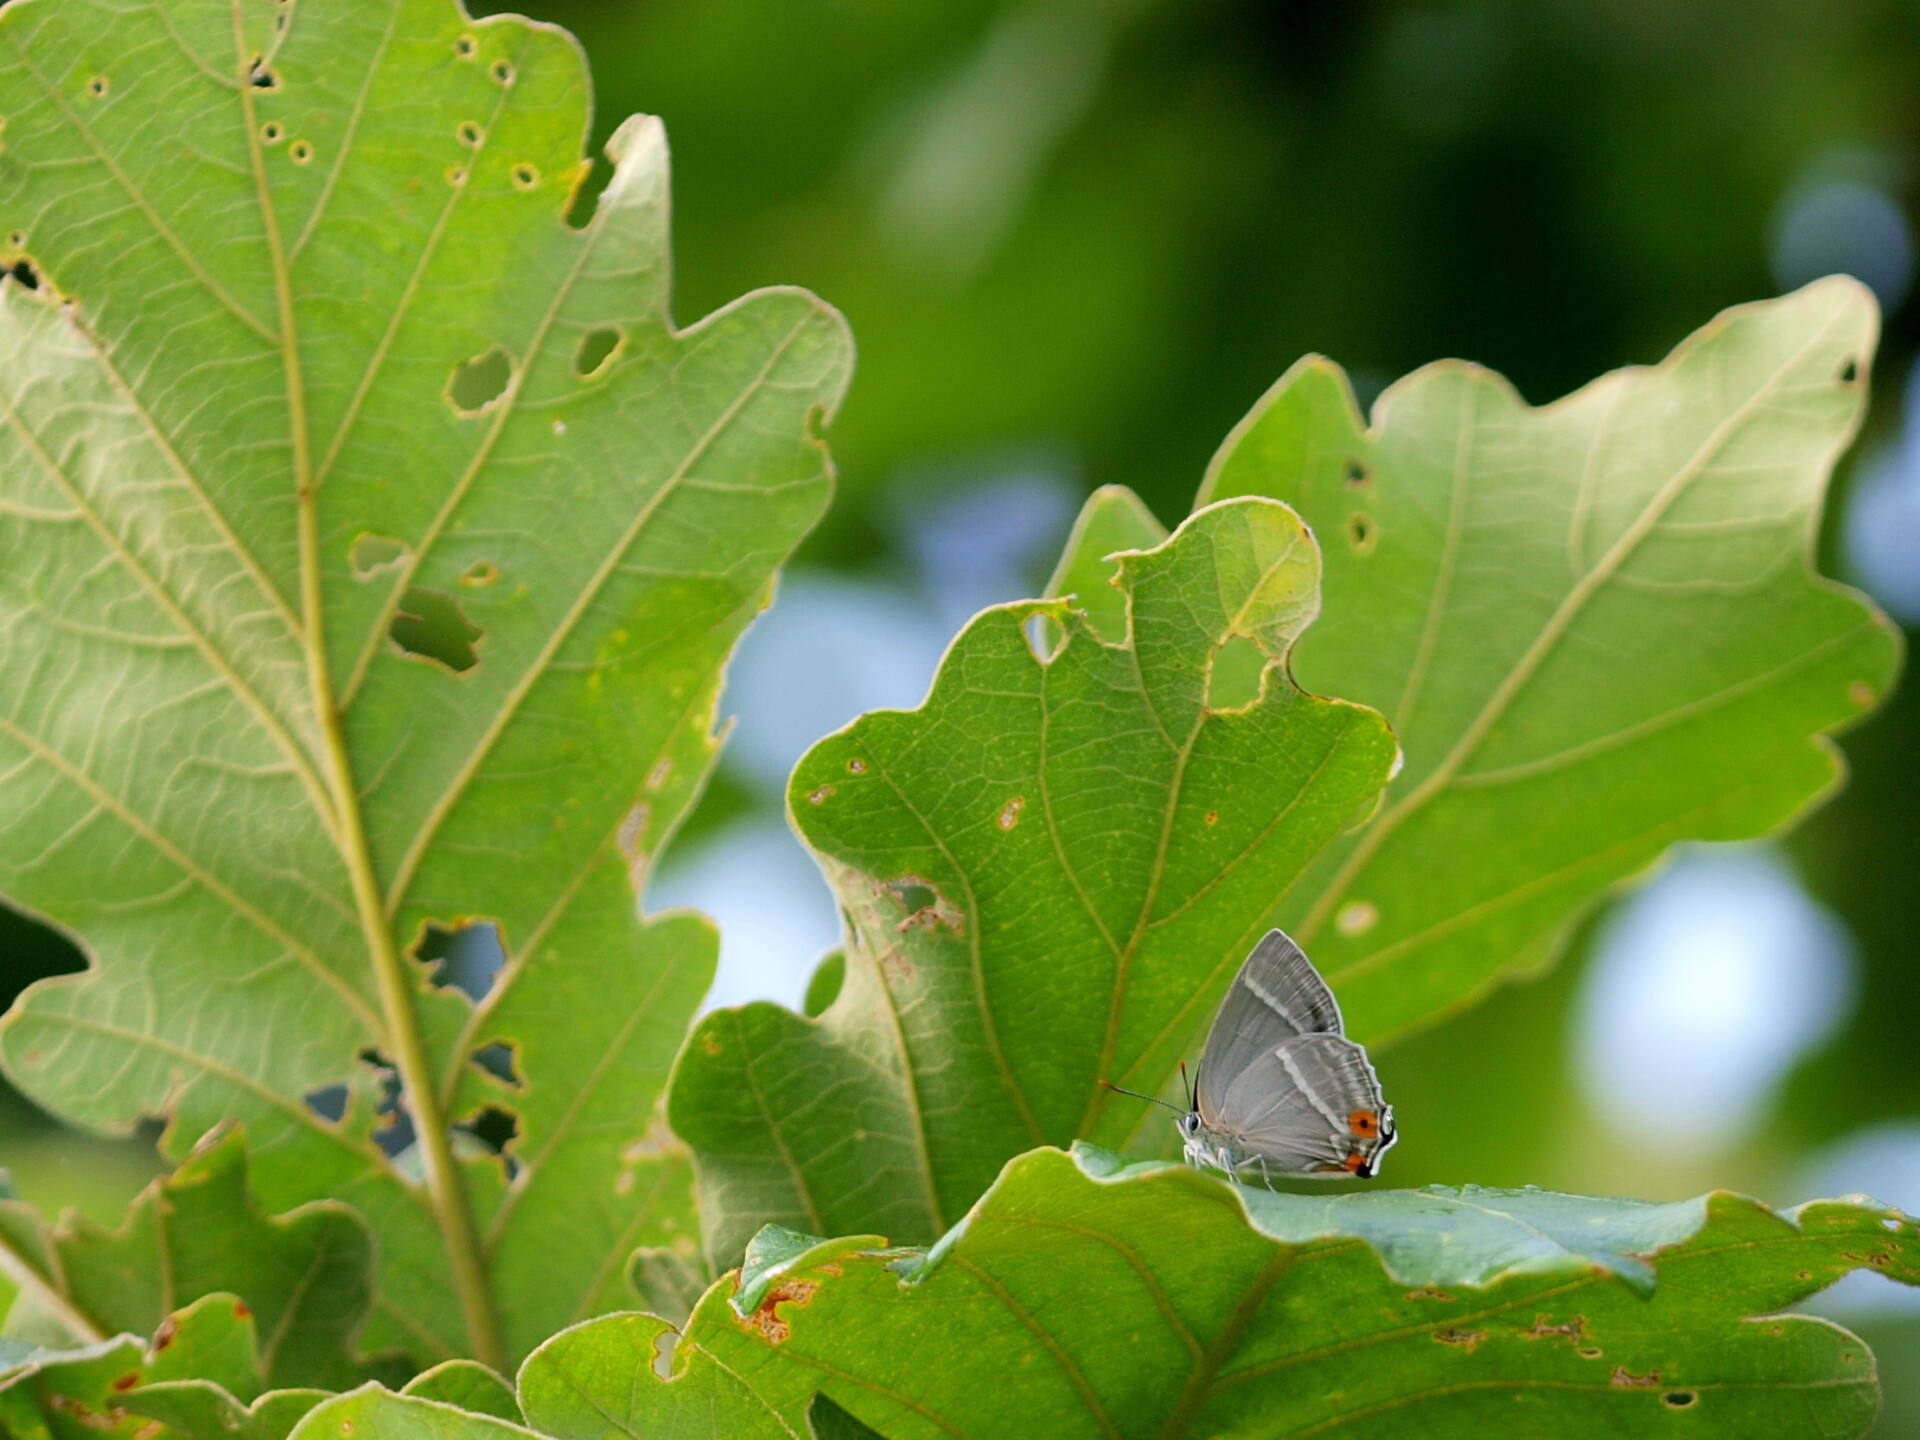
(1279, 1088)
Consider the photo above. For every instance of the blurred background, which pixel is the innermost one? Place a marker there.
(1076, 240)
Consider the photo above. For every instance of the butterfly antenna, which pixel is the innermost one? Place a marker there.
(1155, 1099)
(1187, 1083)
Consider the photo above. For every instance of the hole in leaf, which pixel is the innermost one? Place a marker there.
(17, 239)
(914, 893)
(502, 72)
(1356, 474)
(587, 190)
(597, 349)
(456, 175)
(470, 133)
(22, 273)
(465, 47)
(1233, 680)
(329, 1102)
(495, 1127)
(432, 625)
(502, 1062)
(1361, 532)
(97, 86)
(271, 132)
(1045, 637)
(370, 554)
(262, 78)
(300, 152)
(462, 957)
(1850, 371)
(1678, 1399)
(477, 383)
(480, 574)
(525, 176)
(394, 1132)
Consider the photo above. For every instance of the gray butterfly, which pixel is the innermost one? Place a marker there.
(1279, 1089)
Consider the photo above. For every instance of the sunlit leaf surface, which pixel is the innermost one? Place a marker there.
(1592, 625)
(1082, 1298)
(1051, 870)
(318, 371)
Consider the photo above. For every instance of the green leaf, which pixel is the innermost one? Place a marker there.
(200, 1410)
(1593, 626)
(201, 1375)
(318, 370)
(1082, 1297)
(469, 1385)
(301, 1280)
(1112, 520)
(372, 1411)
(1050, 870)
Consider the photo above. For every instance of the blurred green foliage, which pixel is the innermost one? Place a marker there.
(1098, 229)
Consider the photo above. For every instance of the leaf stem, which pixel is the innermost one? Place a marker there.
(23, 1273)
(448, 1196)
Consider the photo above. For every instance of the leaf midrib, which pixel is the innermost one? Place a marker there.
(452, 1206)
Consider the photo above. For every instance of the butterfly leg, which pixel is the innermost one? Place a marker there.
(1265, 1174)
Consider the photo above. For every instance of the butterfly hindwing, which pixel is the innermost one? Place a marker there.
(1276, 996)
(1297, 1103)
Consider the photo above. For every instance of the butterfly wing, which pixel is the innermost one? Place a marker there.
(1276, 996)
(1311, 1103)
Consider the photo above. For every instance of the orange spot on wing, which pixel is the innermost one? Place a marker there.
(1364, 1123)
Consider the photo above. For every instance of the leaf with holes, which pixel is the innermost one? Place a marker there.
(1050, 871)
(1081, 1297)
(1593, 627)
(374, 542)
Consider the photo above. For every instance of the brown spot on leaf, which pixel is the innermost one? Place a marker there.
(1624, 1379)
(710, 1045)
(767, 1320)
(1468, 1340)
(240, 1310)
(1428, 1295)
(126, 1381)
(1010, 812)
(1574, 1330)
(895, 965)
(1213, 817)
(1860, 693)
(163, 1337)
(1588, 1352)
(857, 765)
(820, 796)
